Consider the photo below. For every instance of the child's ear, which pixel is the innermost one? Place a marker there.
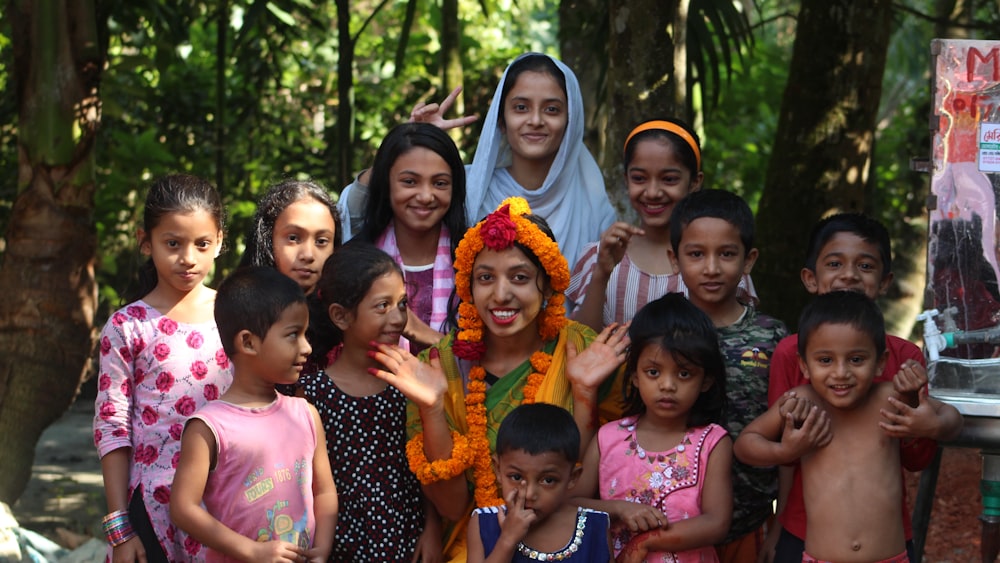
(574, 476)
(673, 259)
(145, 247)
(881, 362)
(707, 383)
(218, 244)
(883, 286)
(809, 280)
(246, 343)
(340, 316)
(802, 366)
(696, 182)
(750, 260)
(496, 467)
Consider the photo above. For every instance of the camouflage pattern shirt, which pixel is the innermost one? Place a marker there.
(747, 347)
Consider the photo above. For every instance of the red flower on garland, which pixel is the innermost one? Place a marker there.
(498, 231)
(466, 350)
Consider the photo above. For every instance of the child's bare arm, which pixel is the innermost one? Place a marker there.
(612, 246)
(708, 528)
(197, 445)
(325, 504)
(773, 439)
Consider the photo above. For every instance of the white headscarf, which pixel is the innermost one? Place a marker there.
(572, 199)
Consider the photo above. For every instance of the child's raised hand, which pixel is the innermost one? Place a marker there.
(614, 242)
(588, 369)
(813, 432)
(424, 384)
(433, 113)
(640, 517)
(518, 520)
(276, 551)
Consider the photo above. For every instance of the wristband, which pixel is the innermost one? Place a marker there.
(117, 528)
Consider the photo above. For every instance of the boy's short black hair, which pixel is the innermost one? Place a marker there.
(717, 204)
(253, 298)
(851, 308)
(870, 231)
(537, 429)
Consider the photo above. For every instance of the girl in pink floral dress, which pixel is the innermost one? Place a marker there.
(663, 471)
(160, 360)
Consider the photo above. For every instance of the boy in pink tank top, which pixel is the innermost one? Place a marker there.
(253, 481)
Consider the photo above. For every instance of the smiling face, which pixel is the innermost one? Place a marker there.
(303, 240)
(183, 247)
(668, 388)
(656, 180)
(712, 260)
(841, 362)
(283, 350)
(420, 186)
(380, 316)
(507, 290)
(543, 480)
(849, 262)
(535, 117)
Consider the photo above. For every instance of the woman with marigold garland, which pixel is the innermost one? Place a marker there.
(514, 346)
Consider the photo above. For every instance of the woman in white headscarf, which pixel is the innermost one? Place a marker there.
(531, 147)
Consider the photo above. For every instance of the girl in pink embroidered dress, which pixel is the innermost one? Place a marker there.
(160, 359)
(416, 202)
(663, 471)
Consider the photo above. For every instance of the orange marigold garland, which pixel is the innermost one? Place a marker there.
(462, 456)
(498, 231)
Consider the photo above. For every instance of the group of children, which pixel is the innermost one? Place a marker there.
(333, 440)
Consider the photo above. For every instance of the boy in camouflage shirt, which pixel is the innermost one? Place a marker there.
(712, 236)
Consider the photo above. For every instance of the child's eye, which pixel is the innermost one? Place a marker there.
(520, 107)
(857, 360)
(833, 264)
(637, 179)
(293, 238)
(685, 374)
(671, 179)
(443, 184)
(204, 244)
(652, 373)
(549, 481)
(516, 477)
(403, 304)
(866, 267)
(824, 360)
(554, 110)
(322, 241)
(728, 254)
(382, 306)
(695, 254)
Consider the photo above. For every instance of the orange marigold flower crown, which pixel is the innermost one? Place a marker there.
(499, 231)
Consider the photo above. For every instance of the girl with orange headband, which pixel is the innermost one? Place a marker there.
(627, 267)
(514, 345)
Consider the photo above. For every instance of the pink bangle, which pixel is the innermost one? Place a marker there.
(117, 528)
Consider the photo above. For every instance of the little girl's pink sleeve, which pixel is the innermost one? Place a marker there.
(112, 416)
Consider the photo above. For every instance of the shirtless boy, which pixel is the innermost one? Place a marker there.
(851, 469)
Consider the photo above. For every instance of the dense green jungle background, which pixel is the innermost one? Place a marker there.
(247, 92)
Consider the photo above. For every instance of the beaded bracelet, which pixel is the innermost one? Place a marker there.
(117, 528)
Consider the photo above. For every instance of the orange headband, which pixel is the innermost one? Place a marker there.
(671, 128)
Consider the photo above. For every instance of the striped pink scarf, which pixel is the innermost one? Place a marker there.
(444, 271)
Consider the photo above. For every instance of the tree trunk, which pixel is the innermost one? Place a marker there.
(47, 290)
(822, 150)
(345, 93)
(583, 39)
(451, 61)
(642, 82)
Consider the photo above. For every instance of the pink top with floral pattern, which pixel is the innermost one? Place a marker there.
(154, 373)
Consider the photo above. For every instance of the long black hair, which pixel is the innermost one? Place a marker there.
(400, 140)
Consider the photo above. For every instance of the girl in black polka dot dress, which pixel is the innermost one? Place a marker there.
(383, 516)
